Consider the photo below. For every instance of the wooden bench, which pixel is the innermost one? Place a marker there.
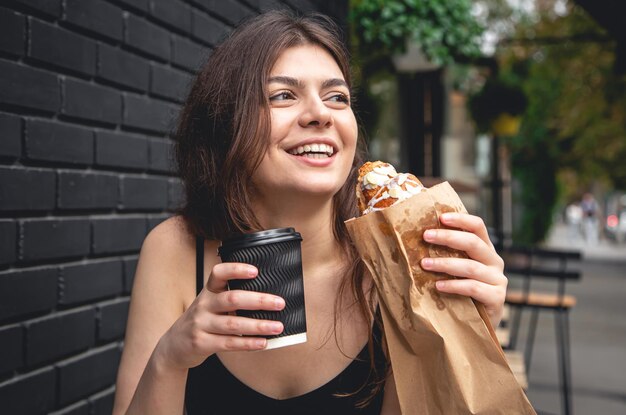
(560, 267)
(514, 358)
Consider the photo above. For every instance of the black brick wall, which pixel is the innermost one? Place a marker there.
(89, 90)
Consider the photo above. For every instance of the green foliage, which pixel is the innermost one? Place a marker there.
(443, 28)
(573, 133)
(535, 170)
(534, 160)
(496, 97)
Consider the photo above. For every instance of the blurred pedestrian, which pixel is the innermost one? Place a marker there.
(574, 217)
(589, 208)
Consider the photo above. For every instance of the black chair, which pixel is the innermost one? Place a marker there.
(531, 263)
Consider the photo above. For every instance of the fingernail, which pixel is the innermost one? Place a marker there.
(252, 271)
(427, 262)
(440, 284)
(279, 303)
(260, 343)
(430, 234)
(276, 327)
(447, 217)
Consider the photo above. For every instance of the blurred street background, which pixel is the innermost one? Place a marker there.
(519, 104)
(525, 116)
(598, 334)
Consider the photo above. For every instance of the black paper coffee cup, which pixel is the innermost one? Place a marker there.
(277, 255)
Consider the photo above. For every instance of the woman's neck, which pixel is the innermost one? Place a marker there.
(313, 219)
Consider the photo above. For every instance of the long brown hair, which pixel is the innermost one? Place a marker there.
(223, 133)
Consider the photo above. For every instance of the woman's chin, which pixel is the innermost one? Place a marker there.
(317, 191)
(306, 191)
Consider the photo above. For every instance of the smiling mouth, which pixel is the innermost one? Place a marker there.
(313, 151)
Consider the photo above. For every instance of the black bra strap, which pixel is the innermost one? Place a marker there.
(199, 264)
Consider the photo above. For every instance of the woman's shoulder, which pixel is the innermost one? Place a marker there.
(169, 246)
(170, 233)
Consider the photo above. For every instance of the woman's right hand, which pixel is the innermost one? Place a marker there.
(209, 324)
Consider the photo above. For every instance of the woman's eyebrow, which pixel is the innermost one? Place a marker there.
(287, 80)
(329, 83)
(297, 83)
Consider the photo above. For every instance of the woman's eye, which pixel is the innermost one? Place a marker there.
(282, 96)
(340, 98)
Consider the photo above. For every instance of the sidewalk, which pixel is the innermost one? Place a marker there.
(597, 333)
(561, 237)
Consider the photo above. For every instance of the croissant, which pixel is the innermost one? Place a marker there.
(380, 186)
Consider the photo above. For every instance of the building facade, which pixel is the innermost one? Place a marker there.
(89, 93)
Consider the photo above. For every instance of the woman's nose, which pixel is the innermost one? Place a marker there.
(315, 113)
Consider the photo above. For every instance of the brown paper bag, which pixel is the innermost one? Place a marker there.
(444, 354)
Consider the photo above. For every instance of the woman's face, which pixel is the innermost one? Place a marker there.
(313, 129)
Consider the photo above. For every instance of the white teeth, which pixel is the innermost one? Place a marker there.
(324, 150)
(315, 155)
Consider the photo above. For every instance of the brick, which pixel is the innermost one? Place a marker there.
(148, 114)
(173, 13)
(102, 402)
(96, 16)
(115, 235)
(130, 267)
(11, 339)
(121, 150)
(112, 320)
(254, 4)
(12, 32)
(26, 189)
(49, 7)
(147, 37)
(231, 11)
(8, 241)
(87, 373)
(123, 68)
(78, 190)
(62, 48)
(55, 141)
(139, 5)
(161, 152)
(33, 393)
(54, 238)
(27, 292)
(302, 5)
(175, 194)
(92, 102)
(143, 193)
(169, 83)
(79, 408)
(154, 220)
(85, 282)
(28, 87)
(188, 54)
(62, 334)
(267, 5)
(207, 29)
(10, 136)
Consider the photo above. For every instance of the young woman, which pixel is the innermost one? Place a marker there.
(268, 139)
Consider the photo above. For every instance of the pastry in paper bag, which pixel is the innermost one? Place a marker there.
(444, 354)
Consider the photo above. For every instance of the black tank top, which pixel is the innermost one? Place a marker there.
(212, 389)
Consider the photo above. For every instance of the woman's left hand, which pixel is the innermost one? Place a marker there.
(482, 273)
